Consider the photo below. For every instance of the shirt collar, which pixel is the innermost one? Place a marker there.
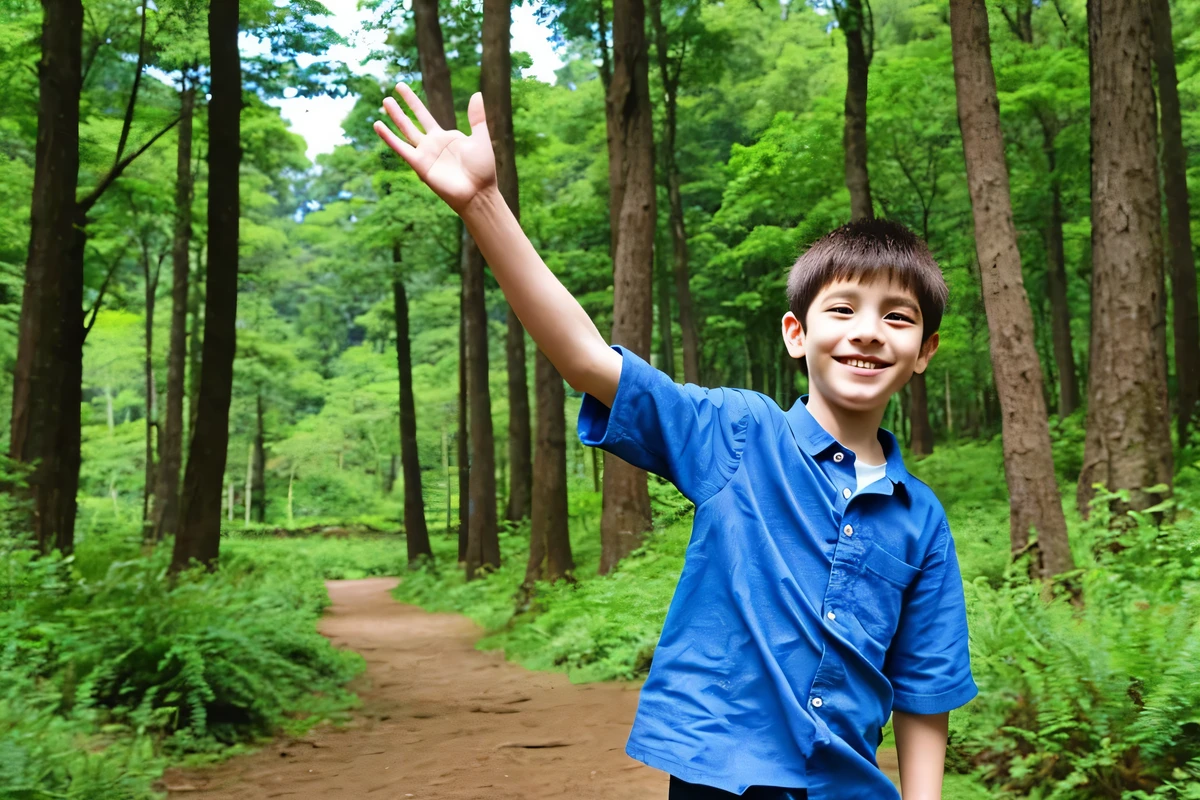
(815, 440)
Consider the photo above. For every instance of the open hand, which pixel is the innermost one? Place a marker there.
(456, 166)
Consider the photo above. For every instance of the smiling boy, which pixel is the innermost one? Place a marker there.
(820, 591)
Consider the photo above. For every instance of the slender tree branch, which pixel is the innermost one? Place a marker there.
(86, 203)
(95, 309)
(133, 93)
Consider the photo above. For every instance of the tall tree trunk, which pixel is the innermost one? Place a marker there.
(853, 23)
(626, 514)
(1034, 502)
(258, 482)
(416, 532)
(166, 495)
(681, 272)
(1128, 443)
(548, 525)
(195, 347)
(200, 529)
(662, 294)
(1056, 286)
(46, 383)
(921, 443)
(1179, 240)
(463, 445)
(496, 84)
(483, 542)
(150, 284)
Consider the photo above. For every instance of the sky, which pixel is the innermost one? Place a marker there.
(319, 119)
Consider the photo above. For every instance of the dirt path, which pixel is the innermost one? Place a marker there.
(442, 720)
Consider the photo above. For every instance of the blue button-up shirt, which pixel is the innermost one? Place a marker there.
(806, 611)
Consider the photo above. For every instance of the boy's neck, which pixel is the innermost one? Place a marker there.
(856, 430)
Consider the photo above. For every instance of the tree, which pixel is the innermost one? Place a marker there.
(200, 530)
(416, 532)
(1128, 443)
(1179, 240)
(51, 317)
(483, 543)
(626, 513)
(166, 494)
(670, 68)
(495, 81)
(859, 52)
(1034, 504)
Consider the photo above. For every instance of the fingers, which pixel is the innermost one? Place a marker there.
(475, 114)
(402, 148)
(407, 129)
(412, 101)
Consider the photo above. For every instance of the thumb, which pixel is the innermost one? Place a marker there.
(475, 116)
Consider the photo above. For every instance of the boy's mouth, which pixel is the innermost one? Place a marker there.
(862, 362)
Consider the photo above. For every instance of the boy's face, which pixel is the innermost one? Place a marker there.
(862, 341)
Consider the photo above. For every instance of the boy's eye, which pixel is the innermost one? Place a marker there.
(896, 315)
(841, 310)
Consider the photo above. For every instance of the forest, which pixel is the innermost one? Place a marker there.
(235, 373)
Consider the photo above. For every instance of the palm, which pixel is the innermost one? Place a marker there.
(456, 166)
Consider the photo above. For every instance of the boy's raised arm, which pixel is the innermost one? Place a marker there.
(461, 170)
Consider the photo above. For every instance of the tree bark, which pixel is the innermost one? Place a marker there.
(626, 513)
(416, 532)
(258, 482)
(482, 543)
(463, 448)
(200, 529)
(858, 62)
(921, 443)
(1179, 241)
(1034, 503)
(662, 294)
(166, 495)
(549, 532)
(1056, 286)
(680, 268)
(496, 84)
(44, 430)
(1128, 443)
(150, 285)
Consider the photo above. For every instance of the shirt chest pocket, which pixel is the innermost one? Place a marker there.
(879, 593)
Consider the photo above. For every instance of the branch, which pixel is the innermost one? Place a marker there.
(85, 205)
(95, 309)
(133, 93)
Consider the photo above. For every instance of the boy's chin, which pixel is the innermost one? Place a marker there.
(855, 399)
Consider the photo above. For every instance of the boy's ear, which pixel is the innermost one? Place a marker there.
(793, 335)
(928, 348)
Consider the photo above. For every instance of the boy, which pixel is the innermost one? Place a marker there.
(821, 589)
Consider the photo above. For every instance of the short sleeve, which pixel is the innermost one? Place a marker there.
(693, 437)
(929, 661)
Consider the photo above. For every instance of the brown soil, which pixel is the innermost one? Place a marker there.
(443, 720)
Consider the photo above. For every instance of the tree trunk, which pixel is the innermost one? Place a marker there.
(463, 451)
(681, 272)
(1034, 502)
(1128, 444)
(858, 61)
(626, 513)
(259, 478)
(46, 386)
(662, 293)
(200, 529)
(921, 443)
(248, 494)
(496, 84)
(1056, 288)
(416, 531)
(482, 542)
(1179, 240)
(549, 532)
(150, 284)
(195, 348)
(166, 496)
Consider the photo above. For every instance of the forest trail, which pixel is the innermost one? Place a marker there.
(442, 720)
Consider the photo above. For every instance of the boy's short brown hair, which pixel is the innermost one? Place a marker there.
(865, 250)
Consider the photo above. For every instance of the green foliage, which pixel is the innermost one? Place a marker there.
(107, 667)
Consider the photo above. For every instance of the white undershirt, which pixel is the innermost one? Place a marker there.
(868, 473)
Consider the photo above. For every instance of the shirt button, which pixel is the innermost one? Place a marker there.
(846, 493)
(831, 615)
(816, 701)
(838, 457)
(848, 530)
